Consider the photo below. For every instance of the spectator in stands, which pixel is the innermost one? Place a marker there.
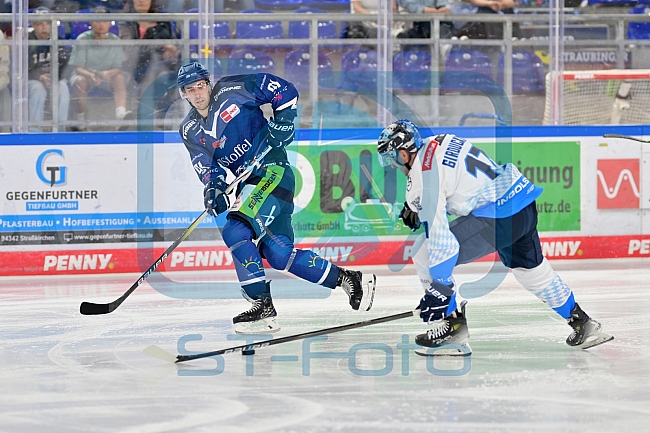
(483, 30)
(5, 96)
(40, 79)
(367, 29)
(422, 29)
(97, 66)
(150, 64)
(176, 6)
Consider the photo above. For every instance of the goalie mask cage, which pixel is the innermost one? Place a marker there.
(616, 96)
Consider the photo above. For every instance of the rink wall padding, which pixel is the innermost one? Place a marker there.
(112, 202)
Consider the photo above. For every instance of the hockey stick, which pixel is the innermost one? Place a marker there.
(157, 352)
(626, 137)
(91, 309)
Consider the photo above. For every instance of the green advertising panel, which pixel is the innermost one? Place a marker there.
(555, 166)
(343, 191)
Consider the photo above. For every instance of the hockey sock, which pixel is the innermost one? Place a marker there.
(248, 261)
(546, 284)
(279, 251)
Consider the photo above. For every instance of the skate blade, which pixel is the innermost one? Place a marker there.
(369, 284)
(598, 340)
(446, 350)
(264, 326)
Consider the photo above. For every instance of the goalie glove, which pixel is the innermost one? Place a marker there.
(410, 218)
(215, 200)
(281, 129)
(437, 303)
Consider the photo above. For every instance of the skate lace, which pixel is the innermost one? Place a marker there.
(440, 328)
(258, 305)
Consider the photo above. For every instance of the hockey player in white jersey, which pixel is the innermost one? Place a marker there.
(496, 211)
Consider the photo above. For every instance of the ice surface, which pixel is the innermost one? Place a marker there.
(64, 372)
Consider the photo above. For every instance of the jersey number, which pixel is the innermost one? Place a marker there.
(472, 163)
(273, 86)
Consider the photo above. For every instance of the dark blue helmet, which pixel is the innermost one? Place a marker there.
(192, 73)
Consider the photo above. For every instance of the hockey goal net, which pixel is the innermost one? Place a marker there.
(615, 96)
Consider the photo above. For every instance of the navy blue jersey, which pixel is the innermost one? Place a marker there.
(229, 136)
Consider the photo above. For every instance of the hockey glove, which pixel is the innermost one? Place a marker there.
(410, 218)
(281, 130)
(437, 303)
(214, 198)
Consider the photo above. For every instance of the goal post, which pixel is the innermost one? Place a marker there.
(616, 96)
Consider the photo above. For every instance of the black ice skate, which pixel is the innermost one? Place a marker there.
(586, 331)
(359, 287)
(259, 319)
(449, 337)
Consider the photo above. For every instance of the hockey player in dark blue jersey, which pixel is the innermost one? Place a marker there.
(225, 130)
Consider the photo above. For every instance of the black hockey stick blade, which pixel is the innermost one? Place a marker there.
(91, 309)
(369, 322)
(626, 137)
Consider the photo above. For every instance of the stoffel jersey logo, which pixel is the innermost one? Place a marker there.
(428, 155)
(229, 113)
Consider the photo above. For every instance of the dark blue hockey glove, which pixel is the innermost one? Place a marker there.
(280, 128)
(410, 218)
(214, 198)
(437, 303)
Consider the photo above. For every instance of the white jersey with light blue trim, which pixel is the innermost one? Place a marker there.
(451, 176)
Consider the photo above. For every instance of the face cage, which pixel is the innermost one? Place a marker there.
(182, 91)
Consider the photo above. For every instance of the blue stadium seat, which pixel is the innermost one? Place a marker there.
(359, 69)
(78, 27)
(639, 30)
(300, 29)
(527, 72)
(247, 61)
(341, 5)
(221, 31)
(278, 4)
(258, 29)
(613, 2)
(296, 67)
(412, 70)
(470, 61)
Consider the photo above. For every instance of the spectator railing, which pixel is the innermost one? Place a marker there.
(616, 22)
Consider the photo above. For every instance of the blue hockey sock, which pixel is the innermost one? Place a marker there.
(311, 267)
(248, 261)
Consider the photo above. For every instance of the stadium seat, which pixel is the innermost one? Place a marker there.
(278, 4)
(248, 61)
(296, 67)
(300, 29)
(527, 72)
(467, 61)
(341, 5)
(411, 70)
(258, 29)
(640, 30)
(612, 2)
(359, 69)
(221, 31)
(78, 27)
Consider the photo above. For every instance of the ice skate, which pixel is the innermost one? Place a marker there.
(359, 287)
(449, 337)
(586, 331)
(260, 319)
